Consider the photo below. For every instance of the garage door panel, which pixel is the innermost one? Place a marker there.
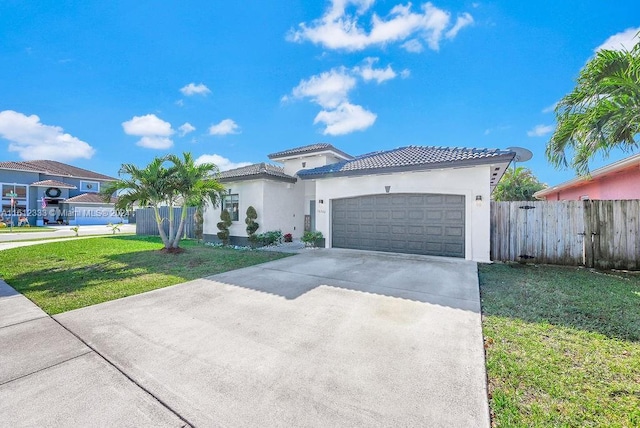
(410, 223)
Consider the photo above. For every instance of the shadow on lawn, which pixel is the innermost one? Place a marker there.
(572, 297)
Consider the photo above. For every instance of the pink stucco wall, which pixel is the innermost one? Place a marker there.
(624, 184)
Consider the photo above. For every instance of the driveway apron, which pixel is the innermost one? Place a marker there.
(324, 338)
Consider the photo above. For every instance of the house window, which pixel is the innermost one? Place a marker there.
(19, 200)
(230, 203)
(89, 186)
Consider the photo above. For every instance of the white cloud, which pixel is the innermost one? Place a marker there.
(405, 73)
(226, 126)
(378, 74)
(412, 45)
(339, 28)
(154, 131)
(221, 162)
(193, 89)
(330, 90)
(33, 140)
(550, 109)
(186, 128)
(540, 130)
(155, 142)
(463, 20)
(344, 119)
(626, 40)
(327, 89)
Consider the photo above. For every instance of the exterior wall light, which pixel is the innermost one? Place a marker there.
(479, 200)
(387, 188)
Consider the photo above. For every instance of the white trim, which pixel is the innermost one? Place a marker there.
(84, 183)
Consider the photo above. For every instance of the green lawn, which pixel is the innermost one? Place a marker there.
(22, 229)
(563, 346)
(61, 276)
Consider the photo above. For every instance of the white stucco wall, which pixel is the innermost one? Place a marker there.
(279, 206)
(283, 207)
(249, 192)
(469, 182)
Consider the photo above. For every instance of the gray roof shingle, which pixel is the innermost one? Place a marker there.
(408, 158)
(255, 171)
(311, 148)
(50, 167)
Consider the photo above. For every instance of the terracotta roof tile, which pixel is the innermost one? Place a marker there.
(406, 158)
(312, 148)
(53, 183)
(258, 170)
(54, 168)
(89, 198)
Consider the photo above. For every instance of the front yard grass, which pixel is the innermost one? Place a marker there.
(562, 346)
(61, 276)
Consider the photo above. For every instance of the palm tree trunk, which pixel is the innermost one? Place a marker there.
(163, 235)
(183, 217)
(172, 236)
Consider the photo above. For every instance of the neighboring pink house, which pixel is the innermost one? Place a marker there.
(620, 180)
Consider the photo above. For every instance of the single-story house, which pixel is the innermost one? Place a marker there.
(53, 192)
(618, 180)
(414, 199)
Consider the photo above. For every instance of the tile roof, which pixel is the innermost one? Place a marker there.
(408, 158)
(89, 198)
(53, 183)
(50, 167)
(255, 171)
(312, 148)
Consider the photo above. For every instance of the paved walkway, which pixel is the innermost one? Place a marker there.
(60, 233)
(49, 377)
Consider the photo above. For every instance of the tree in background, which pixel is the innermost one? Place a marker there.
(601, 113)
(517, 184)
(167, 181)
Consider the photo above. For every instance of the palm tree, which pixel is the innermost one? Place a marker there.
(517, 184)
(195, 185)
(157, 185)
(601, 113)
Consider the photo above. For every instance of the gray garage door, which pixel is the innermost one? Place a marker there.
(415, 223)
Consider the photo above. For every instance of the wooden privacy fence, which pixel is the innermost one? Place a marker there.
(600, 234)
(146, 221)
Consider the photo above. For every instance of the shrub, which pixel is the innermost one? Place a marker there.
(311, 238)
(271, 237)
(288, 237)
(252, 225)
(223, 226)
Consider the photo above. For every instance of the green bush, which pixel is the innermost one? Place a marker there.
(251, 223)
(311, 238)
(270, 238)
(223, 226)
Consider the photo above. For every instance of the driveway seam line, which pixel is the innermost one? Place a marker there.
(132, 380)
(45, 368)
(25, 321)
(363, 283)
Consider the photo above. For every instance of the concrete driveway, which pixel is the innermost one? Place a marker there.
(324, 338)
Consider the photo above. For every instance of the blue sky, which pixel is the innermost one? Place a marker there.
(96, 84)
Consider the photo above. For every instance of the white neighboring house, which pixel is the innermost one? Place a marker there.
(414, 199)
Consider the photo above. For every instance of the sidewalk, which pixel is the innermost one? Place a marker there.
(63, 231)
(48, 377)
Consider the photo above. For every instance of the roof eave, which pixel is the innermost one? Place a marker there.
(338, 153)
(262, 176)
